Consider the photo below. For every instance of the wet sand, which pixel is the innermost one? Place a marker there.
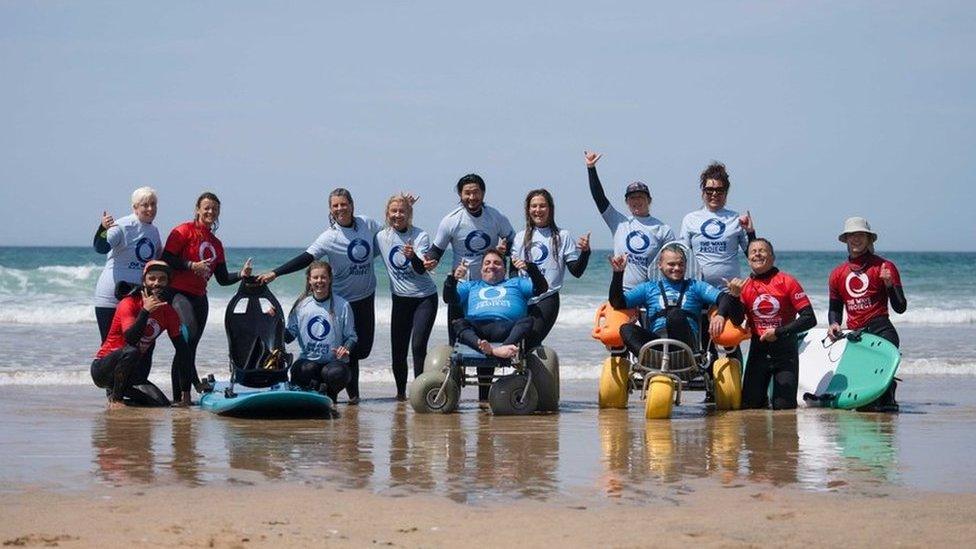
(583, 476)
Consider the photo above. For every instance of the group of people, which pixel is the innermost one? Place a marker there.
(502, 291)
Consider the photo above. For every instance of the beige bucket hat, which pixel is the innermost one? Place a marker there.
(857, 225)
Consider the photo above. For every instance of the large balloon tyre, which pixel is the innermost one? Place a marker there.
(614, 383)
(728, 383)
(438, 359)
(660, 398)
(505, 396)
(424, 390)
(544, 365)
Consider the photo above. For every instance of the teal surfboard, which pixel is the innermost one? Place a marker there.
(865, 371)
(278, 401)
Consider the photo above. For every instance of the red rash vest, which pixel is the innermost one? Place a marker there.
(163, 318)
(772, 301)
(193, 242)
(857, 282)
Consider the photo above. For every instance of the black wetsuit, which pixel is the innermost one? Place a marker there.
(777, 360)
(412, 319)
(545, 311)
(103, 315)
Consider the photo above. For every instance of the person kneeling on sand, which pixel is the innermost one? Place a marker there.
(495, 308)
(323, 324)
(122, 364)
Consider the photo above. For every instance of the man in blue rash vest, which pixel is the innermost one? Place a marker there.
(637, 237)
(494, 307)
(674, 303)
(323, 325)
(470, 230)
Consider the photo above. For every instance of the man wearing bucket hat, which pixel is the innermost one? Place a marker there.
(864, 285)
(122, 363)
(638, 237)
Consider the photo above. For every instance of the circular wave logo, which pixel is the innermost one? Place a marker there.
(537, 252)
(152, 331)
(313, 329)
(206, 251)
(145, 250)
(857, 284)
(713, 229)
(477, 241)
(638, 242)
(491, 293)
(765, 306)
(397, 260)
(358, 250)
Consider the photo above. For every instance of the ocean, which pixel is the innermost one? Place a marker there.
(48, 334)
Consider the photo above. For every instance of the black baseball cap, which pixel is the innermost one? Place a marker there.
(637, 187)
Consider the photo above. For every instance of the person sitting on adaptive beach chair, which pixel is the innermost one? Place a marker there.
(673, 302)
(495, 308)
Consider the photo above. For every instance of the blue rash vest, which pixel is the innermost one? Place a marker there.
(699, 296)
(506, 300)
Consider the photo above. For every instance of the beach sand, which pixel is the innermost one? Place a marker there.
(73, 474)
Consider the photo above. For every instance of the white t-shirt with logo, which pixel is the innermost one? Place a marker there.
(715, 238)
(133, 244)
(640, 239)
(350, 251)
(404, 280)
(321, 327)
(470, 236)
(550, 260)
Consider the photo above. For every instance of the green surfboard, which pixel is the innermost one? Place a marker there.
(864, 372)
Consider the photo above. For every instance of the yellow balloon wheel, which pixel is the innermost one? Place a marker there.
(728, 383)
(613, 382)
(660, 398)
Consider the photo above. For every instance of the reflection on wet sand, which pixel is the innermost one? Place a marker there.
(473, 456)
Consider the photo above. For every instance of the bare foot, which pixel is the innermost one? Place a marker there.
(484, 347)
(115, 405)
(506, 351)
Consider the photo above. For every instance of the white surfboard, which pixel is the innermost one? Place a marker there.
(817, 364)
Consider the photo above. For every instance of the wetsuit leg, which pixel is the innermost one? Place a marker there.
(364, 318)
(423, 323)
(467, 332)
(543, 314)
(785, 357)
(755, 382)
(146, 394)
(454, 312)
(306, 373)
(335, 376)
(400, 328)
(635, 337)
(104, 316)
(518, 331)
(201, 310)
(114, 370)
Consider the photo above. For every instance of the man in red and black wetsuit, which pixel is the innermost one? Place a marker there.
(778, 309)
(125, 358)
(864, 285)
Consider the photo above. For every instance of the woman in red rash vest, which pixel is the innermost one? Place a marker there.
(195, 254)
(864, 285)
(777, 309)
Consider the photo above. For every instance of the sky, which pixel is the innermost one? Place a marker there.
(820, 110)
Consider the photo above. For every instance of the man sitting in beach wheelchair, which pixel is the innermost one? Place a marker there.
(491, 340)
(667, 355)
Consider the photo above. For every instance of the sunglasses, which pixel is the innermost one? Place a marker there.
(714, 190)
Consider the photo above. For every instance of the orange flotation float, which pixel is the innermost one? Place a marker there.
(606, 325)
(732, 334)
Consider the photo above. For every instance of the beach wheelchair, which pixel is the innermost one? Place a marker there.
(663, 368)
(523, 385)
